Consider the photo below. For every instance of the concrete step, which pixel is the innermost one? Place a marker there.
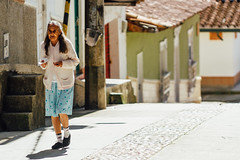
(18, 121)
(22, 84)
(116, 98)
(19, 103)
(122, 86)
(120, 91)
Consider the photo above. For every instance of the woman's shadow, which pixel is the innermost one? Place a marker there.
(48, 154)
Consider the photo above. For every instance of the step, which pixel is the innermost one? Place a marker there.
(18, 121)
(116, 98)
(22, 84)
(123, 86)
(19, 103)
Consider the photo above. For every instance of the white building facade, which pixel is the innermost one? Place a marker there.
(113, 15)
(219, 59)
(219, 46)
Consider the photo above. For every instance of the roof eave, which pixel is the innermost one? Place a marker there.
(121, 2)
(219, 29)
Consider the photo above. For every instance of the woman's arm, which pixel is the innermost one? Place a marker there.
(43, 63)
(73, 59)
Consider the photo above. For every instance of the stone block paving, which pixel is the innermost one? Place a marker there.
(149, 140)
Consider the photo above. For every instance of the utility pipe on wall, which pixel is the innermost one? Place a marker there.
(66, 15)
(76, 19)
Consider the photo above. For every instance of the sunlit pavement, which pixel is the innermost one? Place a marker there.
(206, 131)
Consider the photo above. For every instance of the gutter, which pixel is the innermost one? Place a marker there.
(219, 30)
(76, 20)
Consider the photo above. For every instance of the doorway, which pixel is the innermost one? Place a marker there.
(107, 51)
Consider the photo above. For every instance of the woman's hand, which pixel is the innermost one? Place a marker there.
(44, 65)
(58, 64)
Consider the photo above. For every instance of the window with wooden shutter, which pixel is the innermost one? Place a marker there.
(215, 36)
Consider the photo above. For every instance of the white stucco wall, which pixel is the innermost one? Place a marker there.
(236, 53)
(218, 58)
(151, 92)
(55, 10)
(40, 21)
(111, 13)
(81, 24)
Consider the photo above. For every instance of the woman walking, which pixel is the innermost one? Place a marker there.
(58, 59)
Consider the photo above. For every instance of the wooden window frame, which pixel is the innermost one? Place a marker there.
(215, 35)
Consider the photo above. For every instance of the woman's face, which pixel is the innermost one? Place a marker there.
(53, 33)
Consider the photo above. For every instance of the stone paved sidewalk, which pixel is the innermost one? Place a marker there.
(125, 132)
(149, 140)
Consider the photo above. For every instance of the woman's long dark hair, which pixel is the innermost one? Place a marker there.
(62, 44)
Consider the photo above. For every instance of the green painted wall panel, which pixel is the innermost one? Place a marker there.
(184, 53)
(171, 53)
(149, 44)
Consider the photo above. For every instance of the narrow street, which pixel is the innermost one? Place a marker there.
(227, 98)
(151, 52)
(231, 95)
(206, 131)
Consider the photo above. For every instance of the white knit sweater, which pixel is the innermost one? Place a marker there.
(65, 74)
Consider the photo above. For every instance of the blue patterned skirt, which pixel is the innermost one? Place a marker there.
(58, 101)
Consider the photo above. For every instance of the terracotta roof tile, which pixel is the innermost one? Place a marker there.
(221, 15)
(166, 13)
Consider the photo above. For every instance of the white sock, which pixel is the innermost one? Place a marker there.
(66, 132)
(59, 137)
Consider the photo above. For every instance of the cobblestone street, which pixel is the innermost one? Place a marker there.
(146, 142)
(132, 132)
(120, 80)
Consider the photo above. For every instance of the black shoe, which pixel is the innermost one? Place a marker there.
(66, 141)
(57, 145)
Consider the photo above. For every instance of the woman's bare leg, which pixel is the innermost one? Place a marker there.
(64, 120)
(56, 125)
(57, 128)
(65, 123)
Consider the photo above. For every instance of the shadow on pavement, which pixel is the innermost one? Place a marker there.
(226, 98)
(78, 112)
(76, 127)
(6, 136)
(12, 136)
(47, 154)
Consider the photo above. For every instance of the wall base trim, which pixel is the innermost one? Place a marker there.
(222, 82)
